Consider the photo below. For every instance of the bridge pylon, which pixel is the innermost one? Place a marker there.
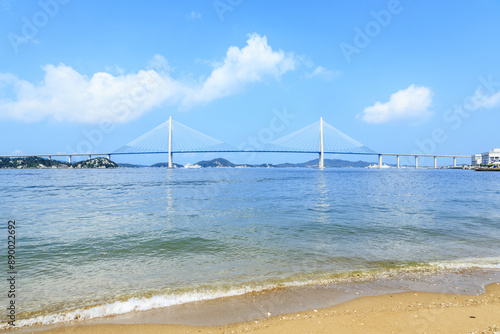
(321, 164)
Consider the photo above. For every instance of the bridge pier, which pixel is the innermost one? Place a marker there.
(321, 164)
(435, 162)
(397, 158)
(379, 161)
(50, 158)
(109, 156)
(69, 158)
(416, 161)
(90, 157)
(454, 161)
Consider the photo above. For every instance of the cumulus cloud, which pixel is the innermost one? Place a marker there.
(66, 95)
(252, 63)
(323, 72)
(407, 105)
(481, 100)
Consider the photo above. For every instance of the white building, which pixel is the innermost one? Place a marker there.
(488, 158)
(476, 159)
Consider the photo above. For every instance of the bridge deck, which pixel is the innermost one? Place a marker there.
(235, 151)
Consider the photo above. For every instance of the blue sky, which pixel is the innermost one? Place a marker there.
(398, 76)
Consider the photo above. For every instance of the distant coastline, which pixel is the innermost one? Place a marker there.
(223, 163)
(41, 163)
(487, 169)
(34, 162)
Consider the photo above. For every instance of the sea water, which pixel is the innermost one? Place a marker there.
(94, 243)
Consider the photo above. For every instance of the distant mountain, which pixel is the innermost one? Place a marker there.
(219, 162)
(262, 166)
(125, 165)
(332, 163)
(165, 164)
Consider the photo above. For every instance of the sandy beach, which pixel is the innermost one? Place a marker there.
(408, 312)
(238, 166)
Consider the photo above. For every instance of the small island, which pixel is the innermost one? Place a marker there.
(39, 162)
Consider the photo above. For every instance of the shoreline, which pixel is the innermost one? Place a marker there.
(409, 312)
(264, 307)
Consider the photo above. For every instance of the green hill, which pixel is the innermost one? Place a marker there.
(219, 162)
(39, 162)
(95, 163)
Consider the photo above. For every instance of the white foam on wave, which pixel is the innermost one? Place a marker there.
(133, 304)
(165, 300)
(480, 263)
(144, 304)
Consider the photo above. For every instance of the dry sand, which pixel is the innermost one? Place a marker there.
(409, 312)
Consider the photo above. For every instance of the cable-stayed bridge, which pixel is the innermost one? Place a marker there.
(172, 137)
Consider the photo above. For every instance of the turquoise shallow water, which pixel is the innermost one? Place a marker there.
(100, 242)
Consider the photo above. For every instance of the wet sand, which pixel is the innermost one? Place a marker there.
(408, 312)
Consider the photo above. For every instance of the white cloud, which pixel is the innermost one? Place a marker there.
(194, 15)
(323, 72)
(66, 95)
(159, 63)
(480, 100)
(252, 63)
(408, 105)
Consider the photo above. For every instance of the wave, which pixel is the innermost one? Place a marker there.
(121, 307)
(480, 263)
(209, 293)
